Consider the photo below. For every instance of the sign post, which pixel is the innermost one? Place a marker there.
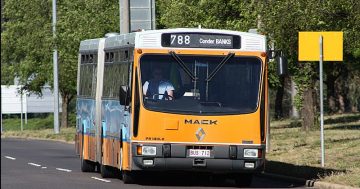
(329, 45)
(321, 102)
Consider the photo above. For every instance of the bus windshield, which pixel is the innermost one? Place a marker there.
(199, 84)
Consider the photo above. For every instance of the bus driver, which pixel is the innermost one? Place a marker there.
(158, 87)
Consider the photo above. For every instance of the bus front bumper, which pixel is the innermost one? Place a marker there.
(223, 159)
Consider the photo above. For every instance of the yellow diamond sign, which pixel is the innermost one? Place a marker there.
(309, 46)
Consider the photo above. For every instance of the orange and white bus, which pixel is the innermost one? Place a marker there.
(173, 99)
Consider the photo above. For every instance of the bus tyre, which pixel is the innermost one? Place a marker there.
(87, 166)
(128, 177)
(243, 180)
(106, 171)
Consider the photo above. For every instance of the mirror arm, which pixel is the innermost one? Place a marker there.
(271, 54)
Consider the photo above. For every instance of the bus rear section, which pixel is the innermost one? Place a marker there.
(87, 137)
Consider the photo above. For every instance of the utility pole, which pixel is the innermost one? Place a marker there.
(136, 15)
(55, 72)
(124, 7)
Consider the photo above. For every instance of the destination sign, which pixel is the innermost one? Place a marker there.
(200, 40)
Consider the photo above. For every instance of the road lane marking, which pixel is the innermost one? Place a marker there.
(12, 158)
(43, 167)
(104, 180)
(61, 169)
(34, 164)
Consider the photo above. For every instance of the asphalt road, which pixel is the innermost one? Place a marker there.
(36, 164)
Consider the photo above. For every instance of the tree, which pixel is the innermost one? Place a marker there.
(79, 20)
(282, 20)
(27, 40)
(218, 14)
(343, 15)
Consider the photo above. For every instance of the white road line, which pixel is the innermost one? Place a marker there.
(43, 167)
(34, 164)
(61, 169)
(12, 158)
(104, 180)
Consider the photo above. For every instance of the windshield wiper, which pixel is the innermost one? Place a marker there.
(219, 66)
(211, 104)
(182, 64)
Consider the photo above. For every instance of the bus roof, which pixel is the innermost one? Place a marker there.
(89, 45)
(152, 39)
(122, 40)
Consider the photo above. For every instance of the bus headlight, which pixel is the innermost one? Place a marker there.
(148, 150)
(251, 153)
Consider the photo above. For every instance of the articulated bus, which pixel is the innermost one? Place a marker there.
(174, 100)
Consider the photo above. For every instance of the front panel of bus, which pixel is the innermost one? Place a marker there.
(214, 119)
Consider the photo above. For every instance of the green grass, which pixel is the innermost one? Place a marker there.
(41, 128)
(297, 153)
(14, 124)
(66, 134)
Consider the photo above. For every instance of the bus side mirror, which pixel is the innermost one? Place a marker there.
(124, 95)
(282, 68)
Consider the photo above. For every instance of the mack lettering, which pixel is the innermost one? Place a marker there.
(201, 122)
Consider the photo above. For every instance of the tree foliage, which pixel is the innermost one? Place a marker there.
(28, 42)
(282, 20)
(217, 14)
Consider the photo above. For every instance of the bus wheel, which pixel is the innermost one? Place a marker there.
(128, 177)
(106, 171)
(87, 166)
(243, 180)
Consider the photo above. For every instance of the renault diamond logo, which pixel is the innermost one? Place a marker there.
(200, 134)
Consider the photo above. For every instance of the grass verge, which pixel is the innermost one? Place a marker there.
(294, 152)
(66, 134)
(40, 128)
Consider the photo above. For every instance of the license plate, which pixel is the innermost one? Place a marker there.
(199, 153)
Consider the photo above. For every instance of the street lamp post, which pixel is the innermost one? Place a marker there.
(55, 72)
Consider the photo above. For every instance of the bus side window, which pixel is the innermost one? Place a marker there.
(116, 73)
(88, 75)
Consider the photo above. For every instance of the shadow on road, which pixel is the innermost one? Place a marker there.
(299, 171)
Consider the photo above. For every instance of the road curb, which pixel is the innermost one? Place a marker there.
(326, 185)
(310, 183)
